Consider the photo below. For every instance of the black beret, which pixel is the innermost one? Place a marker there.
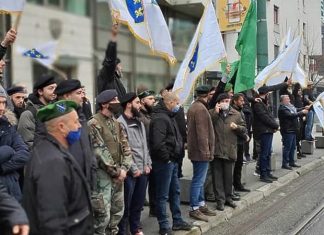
(55, 110)
(146, 94)
(263, 90)
(106, 96)
(43, 81)
(67, 86)
(15, 89)
(203, 89)
(128, 97)
(117, 61)
(222, 96)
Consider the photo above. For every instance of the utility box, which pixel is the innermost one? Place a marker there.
(319, 142)
(319, 128)
(307, 147)
(185, 184)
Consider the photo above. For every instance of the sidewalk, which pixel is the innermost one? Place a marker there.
(259, 190)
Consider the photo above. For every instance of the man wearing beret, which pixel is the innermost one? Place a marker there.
(136, 180)
(147, 99)
(72, 90)
(43, 94)
(114, 159)
(201, 144)
(56, 194)
(110, 74)
(17, 95)
(228, 125)
(264, 125)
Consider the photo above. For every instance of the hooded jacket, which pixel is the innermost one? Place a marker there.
(14, 154)
(165, 139)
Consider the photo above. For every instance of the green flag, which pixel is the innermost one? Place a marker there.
(246, 47)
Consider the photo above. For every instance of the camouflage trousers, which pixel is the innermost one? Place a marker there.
(113, 194)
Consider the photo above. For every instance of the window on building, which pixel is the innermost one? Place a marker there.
(80, 7)
(56, 3)
(276, 51)
(39, 2)
(276, 15)
(304, 31)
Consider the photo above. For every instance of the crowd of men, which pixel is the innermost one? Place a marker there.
(75, 172)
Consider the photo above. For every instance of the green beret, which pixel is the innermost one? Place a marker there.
(146, 94)
(55, 110)
(203, 89)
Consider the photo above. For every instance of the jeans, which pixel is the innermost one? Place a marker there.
(309, 125)
(265, 153)
(197, 197)
(134, 195)
(167, 187)
(288, 149)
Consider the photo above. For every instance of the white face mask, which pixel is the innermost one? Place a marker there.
(224, 106)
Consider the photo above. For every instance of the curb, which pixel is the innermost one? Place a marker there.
(251, 198)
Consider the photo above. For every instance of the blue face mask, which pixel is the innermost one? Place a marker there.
(73, 136)
(176, 109)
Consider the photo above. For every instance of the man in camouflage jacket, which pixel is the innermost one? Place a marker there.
(114, 160)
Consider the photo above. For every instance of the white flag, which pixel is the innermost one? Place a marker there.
(205, 51)
(12, 6)
(318, 106)
(45, 53)
(299, 74)
(145, 20)
(283, 66)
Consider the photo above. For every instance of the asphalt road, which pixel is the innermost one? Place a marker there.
(286, 211)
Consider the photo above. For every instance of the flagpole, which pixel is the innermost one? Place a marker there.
(17, 21)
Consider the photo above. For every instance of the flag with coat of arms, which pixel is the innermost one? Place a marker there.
(206, 50)
(146, 22)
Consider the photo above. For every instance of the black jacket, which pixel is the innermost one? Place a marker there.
(14, 154)
(83, 153)
(288, 119)
(107, 78)
(264, 121)
(11, 212)
(56, 194)
(3, 51)
(165, 140)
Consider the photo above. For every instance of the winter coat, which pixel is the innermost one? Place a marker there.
(14, 154)
(165, 140)
(201, 137)
(225, 137)
(181, 122)
(288, 119)
(29, 127)
(108, 78)
(83, 153)
(56, 194)
(11, 212)
(145, 117)
(264, 121)
(136, 137)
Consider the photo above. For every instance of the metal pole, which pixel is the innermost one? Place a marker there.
(262, 35)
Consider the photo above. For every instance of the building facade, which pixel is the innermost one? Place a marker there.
(68, 22)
